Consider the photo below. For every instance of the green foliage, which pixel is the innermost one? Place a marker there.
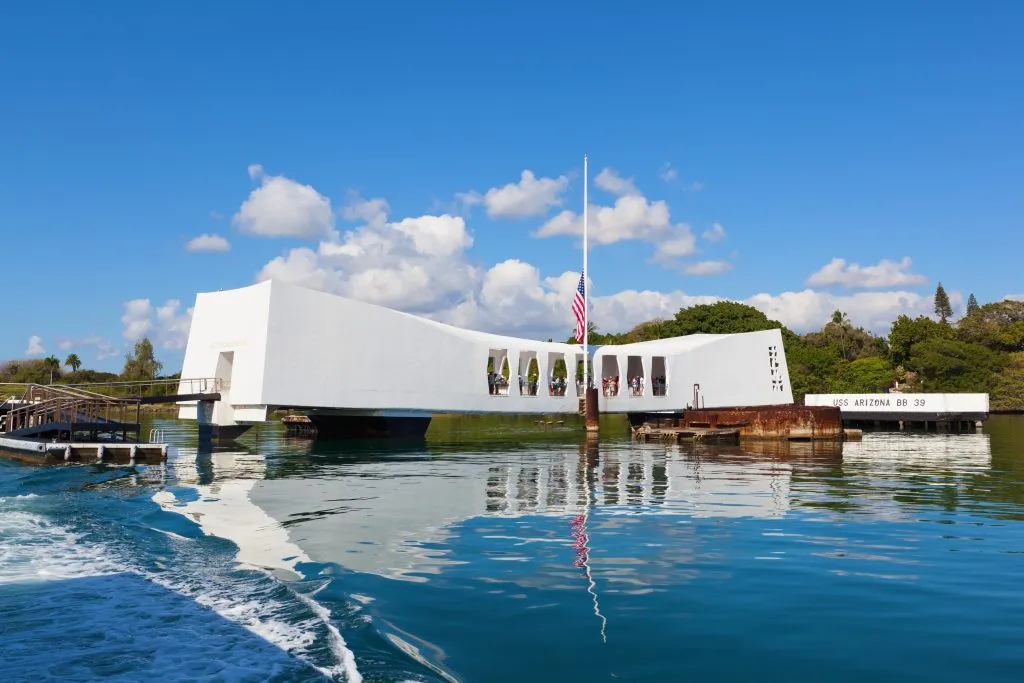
(533, 370)
(947, 364)
(943, 309)
(865, 376)
(1008, 388)
(560, 371)
(723, 317)
(972, 304)
(906, 332)
(999, 326)
(73, 362)
(141, 363)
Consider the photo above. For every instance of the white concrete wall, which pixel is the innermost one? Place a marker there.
(301, 348)
(732, 370)
(901, 403)
(327, 351)
(233, 321)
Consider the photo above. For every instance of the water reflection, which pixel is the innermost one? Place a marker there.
(394, 512)
(623, 550)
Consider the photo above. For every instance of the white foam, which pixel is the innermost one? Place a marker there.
(42, 557)
(262, 543)
(340, 649)
(33, 549)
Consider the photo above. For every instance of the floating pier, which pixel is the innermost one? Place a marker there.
(53, 424)
(925, 412)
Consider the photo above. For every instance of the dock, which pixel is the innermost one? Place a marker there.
(51, 424)
(907, 411)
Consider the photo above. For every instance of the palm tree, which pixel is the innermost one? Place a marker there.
(841, 320)
(52, 363)
(73, 362)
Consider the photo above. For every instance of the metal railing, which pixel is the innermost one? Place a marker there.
(158, 387)
(47, 404)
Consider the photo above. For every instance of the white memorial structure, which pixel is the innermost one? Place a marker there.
(360, 369)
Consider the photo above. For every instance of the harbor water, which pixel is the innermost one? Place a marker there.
(506, 550)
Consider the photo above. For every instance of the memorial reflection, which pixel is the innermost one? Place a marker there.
(397, 511)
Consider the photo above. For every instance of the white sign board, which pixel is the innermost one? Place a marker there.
(902, 403)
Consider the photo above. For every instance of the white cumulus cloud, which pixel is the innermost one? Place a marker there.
(611, 182)
(885, 273)
(282, 207)
(809, 310)
(166, 325)
(417, 263)
(35, 346)
(716, 233)
(207, 242)
(701, 268)
(632, 217)
(422, 264)
(531, 196)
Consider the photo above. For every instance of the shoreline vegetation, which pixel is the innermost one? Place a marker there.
(983, 352)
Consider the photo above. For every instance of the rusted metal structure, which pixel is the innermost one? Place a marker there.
(786, 422)
(701, 434)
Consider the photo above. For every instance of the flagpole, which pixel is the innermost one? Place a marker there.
(586, 286)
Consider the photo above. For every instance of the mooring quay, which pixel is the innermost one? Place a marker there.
(929, 412)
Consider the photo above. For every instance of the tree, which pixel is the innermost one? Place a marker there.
(141, 364)
(999, 326)
(950, 365)
(52, 363)
(723, 317)
(865, 376)
(1008, 390)
(907, 332)
(73, 362)
(943, 309)
(972, 304)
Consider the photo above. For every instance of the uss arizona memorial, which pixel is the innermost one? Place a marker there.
(349, 364)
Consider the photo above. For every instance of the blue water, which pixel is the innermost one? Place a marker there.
(521, 554)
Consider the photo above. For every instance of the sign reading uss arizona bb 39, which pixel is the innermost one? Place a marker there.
(902, 403)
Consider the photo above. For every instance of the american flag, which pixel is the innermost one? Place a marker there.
(579, 307)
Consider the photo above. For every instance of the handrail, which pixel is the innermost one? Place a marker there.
(45, 404)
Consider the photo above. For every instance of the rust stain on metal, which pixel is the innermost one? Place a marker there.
(791, 422)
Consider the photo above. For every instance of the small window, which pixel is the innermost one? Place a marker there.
(610, 375)
(557, 379)
(529, 373)
(659, 383)
(635, 375)
(497, 372)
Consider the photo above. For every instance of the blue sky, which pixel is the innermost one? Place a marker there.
(807, 132)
